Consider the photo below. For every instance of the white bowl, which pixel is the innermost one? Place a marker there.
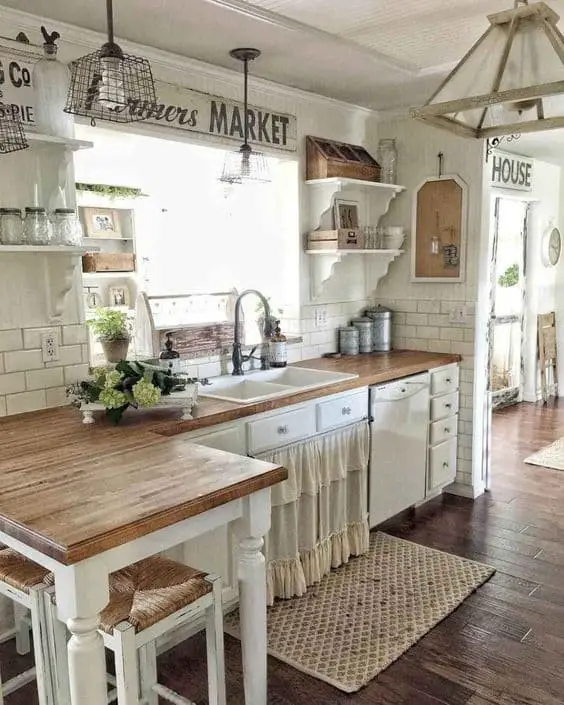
(394, 242)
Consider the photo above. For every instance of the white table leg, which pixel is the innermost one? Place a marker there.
(82, 592)
(252, 595)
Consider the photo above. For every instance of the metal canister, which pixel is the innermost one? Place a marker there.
(381, 328)
(349, 340)
(364, 325)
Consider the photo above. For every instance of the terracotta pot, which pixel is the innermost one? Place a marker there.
(115, 350)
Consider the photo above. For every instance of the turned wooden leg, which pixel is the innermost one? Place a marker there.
(82, 592)
(23, 643)
(214, 647)
(252, 594)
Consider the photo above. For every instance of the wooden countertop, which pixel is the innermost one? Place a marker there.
(77, 505)
(72, 490)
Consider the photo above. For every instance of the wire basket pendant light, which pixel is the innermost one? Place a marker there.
(246, 164)
(111, 85)
(12, 135)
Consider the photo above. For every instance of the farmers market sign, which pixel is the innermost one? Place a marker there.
(15, 84)
(214, 116)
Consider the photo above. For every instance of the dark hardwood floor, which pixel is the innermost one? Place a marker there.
(503, 646)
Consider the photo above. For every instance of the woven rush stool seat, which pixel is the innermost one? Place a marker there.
(19, 572)
(151, 590)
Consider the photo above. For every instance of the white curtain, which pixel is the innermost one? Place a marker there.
(319, 514)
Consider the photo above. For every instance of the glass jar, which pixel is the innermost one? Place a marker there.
(66, 227)
(51, 82)
(11, 226)
(388, 158)
(37, 228)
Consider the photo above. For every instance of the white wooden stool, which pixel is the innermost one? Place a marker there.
(22, 581)
(148, 599)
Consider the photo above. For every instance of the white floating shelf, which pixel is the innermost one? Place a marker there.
(341, 252)
(36, 139)
(340, 184)
(45, 249)
(108, 275)
(322, 266)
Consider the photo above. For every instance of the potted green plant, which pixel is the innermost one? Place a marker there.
(113, 330)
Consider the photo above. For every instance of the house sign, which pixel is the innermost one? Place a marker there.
(511, 171)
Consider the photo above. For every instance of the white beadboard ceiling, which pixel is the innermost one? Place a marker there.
(377, 53)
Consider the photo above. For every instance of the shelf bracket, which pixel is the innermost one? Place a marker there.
(58, 277)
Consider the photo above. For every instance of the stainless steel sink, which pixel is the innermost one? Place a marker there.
(270, 384)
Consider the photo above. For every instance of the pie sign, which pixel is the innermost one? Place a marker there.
(511, 171)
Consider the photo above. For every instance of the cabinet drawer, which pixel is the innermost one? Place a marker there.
(281, 429)
(444, 380)
(446, 405)
(442, 464)
(342, 411)
(443, 430)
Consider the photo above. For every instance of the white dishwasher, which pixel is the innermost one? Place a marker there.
(399, 423)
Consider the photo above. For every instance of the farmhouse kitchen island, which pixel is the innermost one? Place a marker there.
(91, 507)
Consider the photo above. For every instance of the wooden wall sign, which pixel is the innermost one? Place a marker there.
(439, 230)
(511, 171)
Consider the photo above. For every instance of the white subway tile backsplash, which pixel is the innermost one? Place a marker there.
(405, 331)
(427, 332)
(417, 319)
(57, 396)
(469, 335)
(416, 344)
(12, 383)
(437, 319)
(465, 348)
(451, 334)
(310, 351)
(11, 339)
(25, 402)
(209, 369)
(22, 360)
(1, 363)
(32, 336)
(76, 373)
(85, 353)
(72, 335)
(43, 379)
(429, 306)
(400, 318)
(3, 410)
(440, 346)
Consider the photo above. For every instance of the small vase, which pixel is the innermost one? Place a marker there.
(115, 350)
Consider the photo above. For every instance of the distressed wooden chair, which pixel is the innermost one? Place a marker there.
(23, 581)
(149, 599)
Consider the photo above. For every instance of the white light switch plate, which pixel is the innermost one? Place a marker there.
(49, 346)
(320, 317)
(458, 314)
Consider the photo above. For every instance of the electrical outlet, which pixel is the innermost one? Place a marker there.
(49, 346)
(458, 314)
(320, 317)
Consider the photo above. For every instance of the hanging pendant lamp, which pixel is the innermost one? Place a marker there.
(245, 165)
(111, 85)
(12, 135)
(511, 81)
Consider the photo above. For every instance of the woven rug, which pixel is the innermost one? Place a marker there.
(551, 456)
(366, 614)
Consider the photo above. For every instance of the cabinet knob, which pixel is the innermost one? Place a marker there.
(448, 406)
(282, 430)
(346, 411)
(448, 380)
(445, 464)
(447, 429)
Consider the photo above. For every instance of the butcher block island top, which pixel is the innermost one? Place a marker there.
(74, 501)
(72, 491)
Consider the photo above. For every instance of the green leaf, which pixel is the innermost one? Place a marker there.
(114, 415)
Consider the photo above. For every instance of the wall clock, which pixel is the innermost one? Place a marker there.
(551, 247)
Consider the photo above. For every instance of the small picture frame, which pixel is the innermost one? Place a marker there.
(101, 223)
(118, 296)
(346, 215)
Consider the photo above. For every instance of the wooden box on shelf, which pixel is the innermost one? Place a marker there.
(342, 239)
(327, 158)
(108, 262)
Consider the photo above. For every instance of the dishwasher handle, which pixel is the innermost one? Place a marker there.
(398, 391)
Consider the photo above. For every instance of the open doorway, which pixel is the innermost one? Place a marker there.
(508, 303)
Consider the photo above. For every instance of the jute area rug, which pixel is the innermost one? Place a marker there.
(551, 456)
(366, 614)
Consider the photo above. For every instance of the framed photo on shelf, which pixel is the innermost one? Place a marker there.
(118, 296)
(346, 215)
(101, 223)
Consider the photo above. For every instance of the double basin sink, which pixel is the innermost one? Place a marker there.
(270, 384)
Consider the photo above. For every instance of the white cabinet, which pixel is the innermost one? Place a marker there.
(341, 411)
(443, 429)
(281, 429)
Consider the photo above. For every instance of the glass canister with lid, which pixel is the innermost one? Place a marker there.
(11, 226)
(37, 227)
(349, 340)
(364, 326)
(381, 328)
(66, 227)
